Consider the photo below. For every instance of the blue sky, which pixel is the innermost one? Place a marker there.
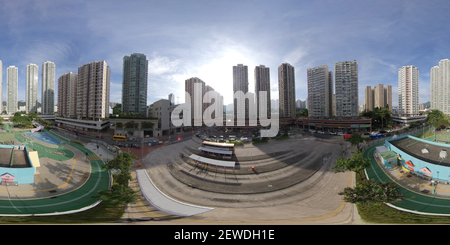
(197, 38)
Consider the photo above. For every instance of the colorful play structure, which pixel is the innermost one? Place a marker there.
(38, 127)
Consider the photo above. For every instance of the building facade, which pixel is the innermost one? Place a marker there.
(408, 90)
(93, 82)
(440, 89)
(12, 89)
(31, 91)
(240, 83)
(67, 94)
(134, 84)
(346, 88)
(320, 91)
(368, 99)
(388, 97)
(286, 89)
(262, 83)
(48, 88)
(1, 85)
(378, 96)
(195, 87)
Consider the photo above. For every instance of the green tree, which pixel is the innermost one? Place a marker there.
(118, 195)
(121, 162)
(357, 163)
(119, 125)
(356, 140)
(370, 192)
(147, 125)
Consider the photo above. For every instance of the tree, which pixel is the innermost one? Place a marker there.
(355, 140)
(356, 164)
(121, 161)
(370, 192)
(118, 195)
(147, 125)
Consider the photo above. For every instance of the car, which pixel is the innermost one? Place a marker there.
(100, 136)
(312, 130)
(332, 133)
(320, 132)
(83, 133)
(244, 139)
(340, 133)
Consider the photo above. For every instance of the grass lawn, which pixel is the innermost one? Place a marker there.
(99, 214)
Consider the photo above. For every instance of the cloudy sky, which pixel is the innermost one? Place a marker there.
(206, 38)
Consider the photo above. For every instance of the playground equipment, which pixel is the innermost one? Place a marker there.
(39, 127)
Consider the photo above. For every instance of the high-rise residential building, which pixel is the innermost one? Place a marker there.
(172, 99)
(134, 84)
(93, 82)
(12, 89)
(262, 83)
(346, 88)
(67, 94)
(31, 91)
(48, 88)
(408, 90)
(368, 99)
(1, 86)
(240, 83)
(320, 91)
(286, 89)
(196, 94)
(388, 97)
(440, 89)
(378, 96)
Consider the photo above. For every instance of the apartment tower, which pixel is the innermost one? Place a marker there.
(11, 89)
(320, 91)
(48, 88)
(262, 83)
(93, 81)
(240, 83)
(408, 90)
(31, 91)
(346, 88)
(195, 87)
(134, 84)
(388, 97)
(286, 89)
(67, 94)
(368, 100)
(440, 89)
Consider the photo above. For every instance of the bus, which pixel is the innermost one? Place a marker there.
(119, 138)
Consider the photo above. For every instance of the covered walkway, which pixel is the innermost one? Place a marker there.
(162, 202)
(227, 164)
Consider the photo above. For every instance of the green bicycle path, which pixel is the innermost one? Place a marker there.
(78, 199)
(417, 202)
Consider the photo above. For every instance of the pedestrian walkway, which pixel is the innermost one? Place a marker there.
(162, 202)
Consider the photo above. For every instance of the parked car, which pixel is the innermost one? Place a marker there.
(244, 139)
(332, 133)
(340, 133)
(100, 136)
(320, 132)
(312, 130)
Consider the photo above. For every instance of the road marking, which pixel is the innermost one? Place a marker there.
(150, 171)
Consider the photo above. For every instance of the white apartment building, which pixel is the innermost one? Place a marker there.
(346, 88)
(408, 90)
(11, 89)
(195, 87)
(31, 91)
(320, 91)
(440, 86)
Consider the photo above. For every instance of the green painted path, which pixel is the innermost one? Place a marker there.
(79, 199)
(418, 203)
